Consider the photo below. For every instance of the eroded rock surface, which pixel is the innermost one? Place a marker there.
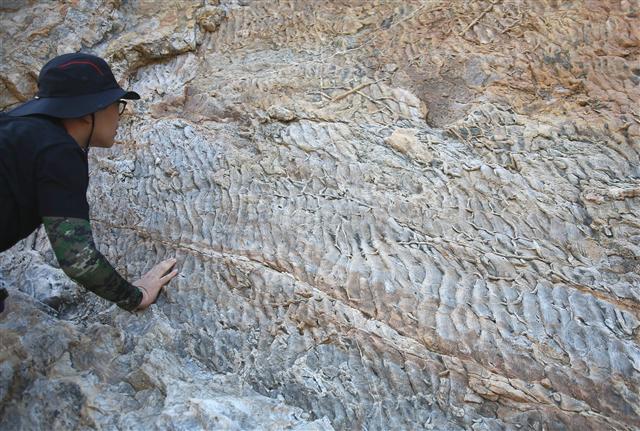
(388, 215)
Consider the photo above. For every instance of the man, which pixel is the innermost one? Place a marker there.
(44, 174)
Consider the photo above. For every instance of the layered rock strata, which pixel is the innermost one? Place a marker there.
(387, 215)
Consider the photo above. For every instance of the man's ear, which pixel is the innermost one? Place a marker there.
(86, 119)
(79, 121)
(78, 128)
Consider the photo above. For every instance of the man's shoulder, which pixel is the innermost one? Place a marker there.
(38, 125)
(39, 131)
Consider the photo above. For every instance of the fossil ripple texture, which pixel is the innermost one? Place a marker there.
(388, 215)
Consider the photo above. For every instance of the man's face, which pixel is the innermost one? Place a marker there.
(105, 126)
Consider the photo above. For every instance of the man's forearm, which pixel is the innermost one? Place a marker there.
(73, 245)
(3, 295)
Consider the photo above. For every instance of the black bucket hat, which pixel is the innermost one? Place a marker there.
(74, 85)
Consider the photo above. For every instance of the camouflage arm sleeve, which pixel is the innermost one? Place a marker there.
(73, 245)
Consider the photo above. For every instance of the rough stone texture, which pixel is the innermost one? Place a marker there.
(388, 215)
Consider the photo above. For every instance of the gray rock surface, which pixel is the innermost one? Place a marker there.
(387, 215)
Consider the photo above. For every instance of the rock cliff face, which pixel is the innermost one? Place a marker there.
(387, 215)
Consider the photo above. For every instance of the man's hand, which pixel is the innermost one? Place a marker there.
(151, 283)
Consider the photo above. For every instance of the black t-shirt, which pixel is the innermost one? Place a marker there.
(43, 172)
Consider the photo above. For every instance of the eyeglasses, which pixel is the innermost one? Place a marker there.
(121, 105)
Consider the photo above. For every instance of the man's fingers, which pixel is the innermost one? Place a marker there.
(163, 267)
(167, 264)
(170, 263)
(167, 278)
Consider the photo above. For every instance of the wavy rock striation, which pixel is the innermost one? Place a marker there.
(387, 215)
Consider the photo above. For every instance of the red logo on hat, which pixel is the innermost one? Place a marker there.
(62, 66)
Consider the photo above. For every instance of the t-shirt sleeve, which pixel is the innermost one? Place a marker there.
(61, 182)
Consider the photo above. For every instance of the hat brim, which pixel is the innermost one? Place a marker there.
(73, 107)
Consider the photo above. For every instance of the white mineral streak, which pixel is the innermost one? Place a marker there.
(387, 214)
